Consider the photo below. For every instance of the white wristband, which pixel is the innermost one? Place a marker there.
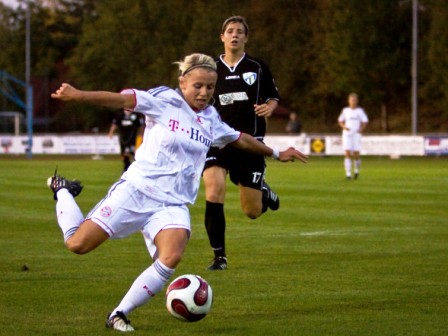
(275, 154)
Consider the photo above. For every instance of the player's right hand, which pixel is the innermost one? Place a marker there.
(66, 92)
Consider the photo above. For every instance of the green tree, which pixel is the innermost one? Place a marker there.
(366, 49)
(436, 89)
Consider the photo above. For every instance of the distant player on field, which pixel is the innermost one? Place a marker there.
(129, 125)
(353, 121)
(153, 194)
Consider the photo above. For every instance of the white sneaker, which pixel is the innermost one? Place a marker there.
(119, 322)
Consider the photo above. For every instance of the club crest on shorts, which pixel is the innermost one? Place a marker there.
(250, 77)
(106, 211)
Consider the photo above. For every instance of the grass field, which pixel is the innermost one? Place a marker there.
(365, 257)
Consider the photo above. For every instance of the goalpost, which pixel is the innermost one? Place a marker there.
(7, 89)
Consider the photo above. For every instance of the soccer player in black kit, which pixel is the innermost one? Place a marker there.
(245, 95)
(129, 124)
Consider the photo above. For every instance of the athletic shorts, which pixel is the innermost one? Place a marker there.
(244, 168)
(127, 149)
(351, 141)
(125, 210)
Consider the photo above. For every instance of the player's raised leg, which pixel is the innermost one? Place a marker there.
(79, 236)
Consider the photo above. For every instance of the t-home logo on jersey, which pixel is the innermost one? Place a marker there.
(194, 133)
(250, 77)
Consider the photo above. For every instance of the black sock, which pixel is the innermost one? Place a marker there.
(215, 224)
(126, 162)
(264, 200)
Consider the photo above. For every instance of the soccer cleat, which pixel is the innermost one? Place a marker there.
(270, 198)
(57, 182)
(219, 264)
(119, 322)
(356, 176)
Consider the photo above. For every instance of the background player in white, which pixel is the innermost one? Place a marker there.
(152, 195)
(245, 95)
(352, 120)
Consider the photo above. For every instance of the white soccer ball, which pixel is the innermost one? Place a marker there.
(189, 298)
(49, 180)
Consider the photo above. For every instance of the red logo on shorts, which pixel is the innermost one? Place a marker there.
(106, 211)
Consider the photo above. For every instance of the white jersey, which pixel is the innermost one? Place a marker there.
(352, 119)
(168, 164)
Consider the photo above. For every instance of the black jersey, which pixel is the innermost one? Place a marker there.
(239, 88)
(128, 126)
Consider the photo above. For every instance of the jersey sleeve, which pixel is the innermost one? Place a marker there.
(364, 117)
(152, 103)
(223, 133)
(341, 116)
(268, 88)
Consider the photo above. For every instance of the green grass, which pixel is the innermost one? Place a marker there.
(365, 257)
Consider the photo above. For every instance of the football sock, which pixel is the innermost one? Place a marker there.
(68, 213)
(348, 166)
(126, 162)
(357, 165)
(215, 224)
(147, 285)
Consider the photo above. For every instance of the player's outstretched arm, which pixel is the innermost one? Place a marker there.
(250, 144)
(66, 92)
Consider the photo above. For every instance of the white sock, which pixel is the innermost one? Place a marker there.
(68, 213)
(147, 285)
(357, 165)
(348, 166)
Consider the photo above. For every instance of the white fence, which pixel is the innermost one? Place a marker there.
(390, 145)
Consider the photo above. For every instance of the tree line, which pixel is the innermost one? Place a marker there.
(318, 51)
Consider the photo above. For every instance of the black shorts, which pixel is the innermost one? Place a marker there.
(127, 149)
(244, 168)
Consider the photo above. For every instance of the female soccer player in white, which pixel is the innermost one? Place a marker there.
(152, 195)
(352, 120)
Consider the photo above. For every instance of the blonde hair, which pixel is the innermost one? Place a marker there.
(194, 61)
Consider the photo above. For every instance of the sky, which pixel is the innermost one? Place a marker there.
(11, 3)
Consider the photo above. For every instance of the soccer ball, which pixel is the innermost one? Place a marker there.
(189, 298)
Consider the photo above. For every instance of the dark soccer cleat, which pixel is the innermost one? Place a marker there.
(57, 182)
(270, 198)
(119, 322)
(219, 264)
(356, 176)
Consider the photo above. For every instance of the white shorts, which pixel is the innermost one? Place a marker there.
(125, 210)
(351, 141)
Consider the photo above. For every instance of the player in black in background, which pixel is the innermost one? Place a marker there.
(129, 124)
(245, 95)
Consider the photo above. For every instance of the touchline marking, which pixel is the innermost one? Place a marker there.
(351, 232)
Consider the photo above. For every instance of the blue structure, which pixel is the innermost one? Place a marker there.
(8, 91)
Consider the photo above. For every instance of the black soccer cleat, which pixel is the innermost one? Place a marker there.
(57, 182)
(218, 264)
(119, 322)
(270, 198)
(356, 176)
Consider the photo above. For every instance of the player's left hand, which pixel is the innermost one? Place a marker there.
(263, 110)
(291, 154)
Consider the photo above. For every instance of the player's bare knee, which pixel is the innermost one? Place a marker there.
(171, 260)
(76, 246)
